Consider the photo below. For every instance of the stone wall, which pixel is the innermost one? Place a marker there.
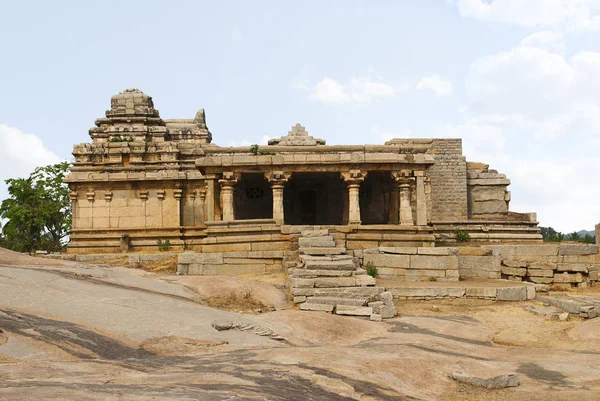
(565, 264)
(229, 263)
(413, 264)
(570, 264)
(487, 193)
(448, 181)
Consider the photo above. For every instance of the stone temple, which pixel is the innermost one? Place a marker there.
(145, 179)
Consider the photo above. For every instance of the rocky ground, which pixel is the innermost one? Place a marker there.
(70, 331)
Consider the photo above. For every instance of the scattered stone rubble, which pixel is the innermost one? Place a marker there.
(242, 326)
(501, 381)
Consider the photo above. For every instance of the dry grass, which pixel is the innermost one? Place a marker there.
(235, 301)
(168, 266)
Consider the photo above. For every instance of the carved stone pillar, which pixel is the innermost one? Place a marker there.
(421, 199)
(227, 187)
(201, 206)
(177, 193)
(75, 214)
(353, 179)
(278, 180)
(210, 200)
(405, 182)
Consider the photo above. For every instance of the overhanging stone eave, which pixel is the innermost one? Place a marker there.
(311, 161)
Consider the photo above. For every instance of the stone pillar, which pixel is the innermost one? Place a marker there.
(74, 213)
(598, 234)
(177, 192)
(404, 180)
(227, 187)
(201, 207)
(278, 180)
(421, 199)
(353, 179)
(210, 200)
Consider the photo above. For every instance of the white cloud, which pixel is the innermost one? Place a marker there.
(20, 154)
(549, 40)
(441, 87)
(573, 15)
(385, 135)
(355, 90)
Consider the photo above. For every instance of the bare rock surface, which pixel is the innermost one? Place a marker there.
(84, 332)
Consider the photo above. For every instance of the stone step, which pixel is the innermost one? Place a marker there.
(336, 301)
(326, 257)
(353, 310)
(330, 250)
(314, 233)
(316, 242)
(347, 292)
(317, 307)
(329, 265)
(332, 282)
(319, 273)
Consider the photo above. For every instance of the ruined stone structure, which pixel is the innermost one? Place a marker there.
(322, 212)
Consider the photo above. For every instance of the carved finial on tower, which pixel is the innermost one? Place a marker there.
(297, 137)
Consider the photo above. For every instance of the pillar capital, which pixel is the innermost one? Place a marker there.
(278, 177)
(228, 180)
(353, 176)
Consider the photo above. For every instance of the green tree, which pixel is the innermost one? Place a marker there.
(574, 236)
(38, 210)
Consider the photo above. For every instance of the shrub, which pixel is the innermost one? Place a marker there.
(432, 278)
(121, 139)
(163, 246)
(462, 236)
(371, 269)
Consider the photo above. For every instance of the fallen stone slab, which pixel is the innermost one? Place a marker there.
(502, 381)
(317, 307)
(353, 310)
(242, 326)
(512, 294)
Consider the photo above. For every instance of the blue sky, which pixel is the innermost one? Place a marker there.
(518, 81)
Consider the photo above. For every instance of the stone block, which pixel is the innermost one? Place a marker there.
(401, 250)
(302, 291)
(314, 233)
(427, 262)
(428, 292)
(512, 293)
(389, 309)
(572, 267)
(513, 263)
(328, 282)
(485, 193)
(542, 280)
(540, 272)
(364, 280)
(319, 242)
(438, 251)
(514, 271)
(489, 207)
(568, 278)
(387, 260)
(302, 283)
(577, 249)
(317, 307)
(481, 292)
(299, 299)
(353, 310)
(375, 318)
(473, 251)
(537, 250)
(531, 290)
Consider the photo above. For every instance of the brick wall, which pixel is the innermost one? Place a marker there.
(448, 181)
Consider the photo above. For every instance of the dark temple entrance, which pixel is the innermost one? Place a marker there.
(253, 198)
(315, 199)
(376, 198)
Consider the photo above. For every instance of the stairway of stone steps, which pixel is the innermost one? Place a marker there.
(326, 279)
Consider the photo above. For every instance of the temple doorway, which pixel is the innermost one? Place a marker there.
(253, 198)
(315, 199)
(376, 198)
